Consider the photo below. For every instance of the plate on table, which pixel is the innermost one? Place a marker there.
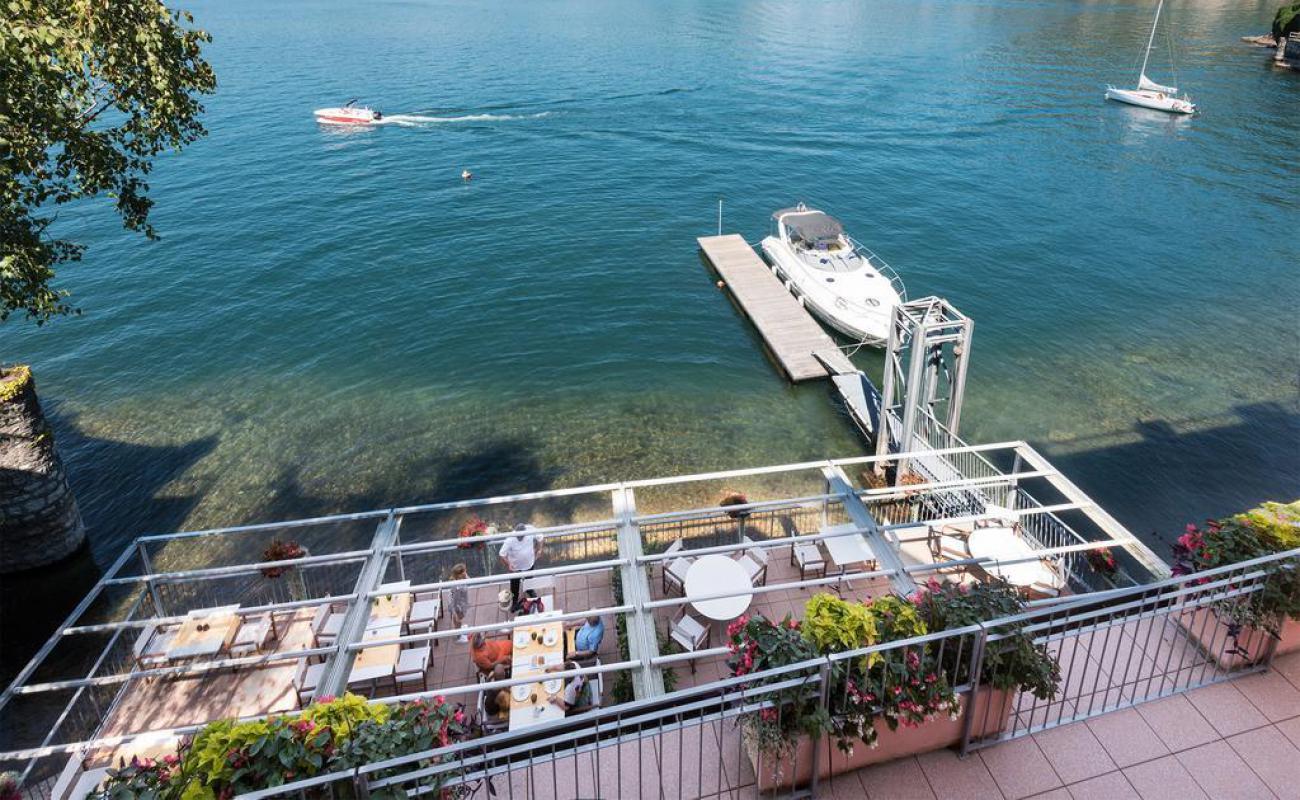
(550, 638)
(521, 691)
(521, 638)
(553, 686)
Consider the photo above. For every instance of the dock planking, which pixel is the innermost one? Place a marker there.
(800, 346)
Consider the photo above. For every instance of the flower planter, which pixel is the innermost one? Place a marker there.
(992, 710)
(1210, 632)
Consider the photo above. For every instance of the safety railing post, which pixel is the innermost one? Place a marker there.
(823, 702)
(977, 666)
(361, 784)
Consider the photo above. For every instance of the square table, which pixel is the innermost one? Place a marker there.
(374, 663)
(847, 550)
(392, 607)
(523, 664)
(205, 632)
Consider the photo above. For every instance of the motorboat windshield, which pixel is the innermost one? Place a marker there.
(814, 230)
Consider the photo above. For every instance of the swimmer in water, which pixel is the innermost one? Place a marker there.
(466, 175)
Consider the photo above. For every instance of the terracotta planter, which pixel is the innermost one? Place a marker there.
(992, 709)
(1211, 633)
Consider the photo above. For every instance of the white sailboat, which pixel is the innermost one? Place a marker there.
(1148, 93)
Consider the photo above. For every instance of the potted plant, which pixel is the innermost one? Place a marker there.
(892, 702)
(227, 758)
(474, 527)
(1101, 561)
(1238, 630)
(281, 550)
(730, 498)
(1011, 664)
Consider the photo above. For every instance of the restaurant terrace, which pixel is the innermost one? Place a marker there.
(187, 628)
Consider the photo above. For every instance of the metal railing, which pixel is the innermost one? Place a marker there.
(1115, 649)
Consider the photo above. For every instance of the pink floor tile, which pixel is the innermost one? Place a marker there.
(1020, 768)
(1074, 752)
(1219, 771)
(1111, 786)
(1164, 779)
(1127, 737)
(1226, 708)
(1177, 722)
(1272, 756)
(953, 778)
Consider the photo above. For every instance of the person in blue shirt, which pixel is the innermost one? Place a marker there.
(587, 639)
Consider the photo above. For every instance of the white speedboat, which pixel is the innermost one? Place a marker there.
(846, 285)
(1148, 93)
(348, 114)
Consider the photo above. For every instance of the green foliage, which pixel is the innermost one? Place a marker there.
(228, 758)
(1286, 21)
(345, 713)
(90, 93)
(757, 644)
(1256, 533)
(834, 625)
(1013, 662)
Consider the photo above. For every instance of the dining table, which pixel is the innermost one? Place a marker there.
(205, 632)
(850, 548)
(375, 663)
(535, 648)
(717, 574)
(998, 544)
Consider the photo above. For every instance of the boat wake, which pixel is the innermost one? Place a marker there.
(416, 120)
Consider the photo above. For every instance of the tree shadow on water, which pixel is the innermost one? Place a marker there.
(1188, 470)
(118, 488)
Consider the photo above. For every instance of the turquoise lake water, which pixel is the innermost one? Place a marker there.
(334, 321)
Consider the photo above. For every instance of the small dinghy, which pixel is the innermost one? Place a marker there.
(1148, 93)
(348, 114)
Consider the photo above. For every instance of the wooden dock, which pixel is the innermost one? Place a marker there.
(802, 349)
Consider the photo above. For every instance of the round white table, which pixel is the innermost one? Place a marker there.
(714, 574)
(1003, 544)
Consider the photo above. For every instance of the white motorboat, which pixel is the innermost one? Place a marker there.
(842, 282)
(348, 114)
(1148, 93)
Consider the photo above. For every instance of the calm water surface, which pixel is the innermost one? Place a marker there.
(334, 321)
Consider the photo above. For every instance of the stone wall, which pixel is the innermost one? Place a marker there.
(39, 520)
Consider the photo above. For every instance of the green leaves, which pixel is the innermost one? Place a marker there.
(90, 92)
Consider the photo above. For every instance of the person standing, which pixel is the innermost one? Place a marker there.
(518, 554)
(459, 600)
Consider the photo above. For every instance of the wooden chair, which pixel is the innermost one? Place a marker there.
(490, 723)
(674, 570)
(306, 680)
(150, 649)
(251, 636)
(689, 634)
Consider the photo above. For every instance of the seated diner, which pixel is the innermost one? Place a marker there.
(576, 697)
(488, 654)
(586, 638)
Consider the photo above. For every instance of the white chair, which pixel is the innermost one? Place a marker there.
(425, 614)
(759, 554)
(542, 584)
(412, 666)
(251, 636)
(306, 680)
(689, 634)
(756, 571)
(597, 684)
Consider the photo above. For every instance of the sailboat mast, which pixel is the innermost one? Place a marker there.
(1150, 40)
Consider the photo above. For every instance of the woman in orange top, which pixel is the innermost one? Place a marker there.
(488, 653)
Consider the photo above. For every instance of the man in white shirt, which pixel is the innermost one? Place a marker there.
(519, 554)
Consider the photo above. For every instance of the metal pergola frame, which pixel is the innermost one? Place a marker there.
(631, 567)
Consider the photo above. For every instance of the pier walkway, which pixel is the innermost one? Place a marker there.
(800, 346)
